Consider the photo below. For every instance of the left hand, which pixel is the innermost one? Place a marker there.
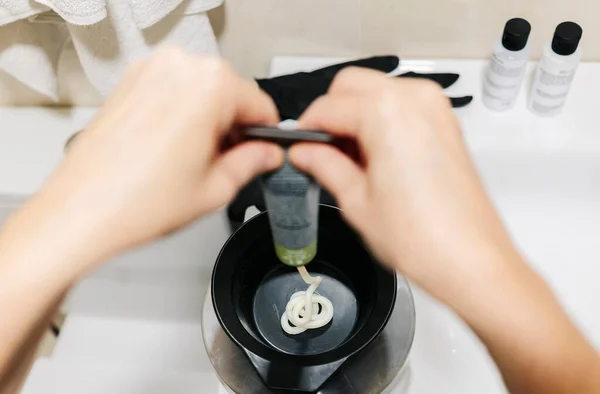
(150, 162)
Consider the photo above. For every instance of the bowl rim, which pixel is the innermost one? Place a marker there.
(227, 317)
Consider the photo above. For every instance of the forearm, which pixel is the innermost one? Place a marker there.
(532, 340)
(12, 380)
(37, 267)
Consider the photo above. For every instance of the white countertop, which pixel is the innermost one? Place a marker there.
(543, 175)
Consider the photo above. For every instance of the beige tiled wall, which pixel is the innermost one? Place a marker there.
(251, 32)
(255, 30)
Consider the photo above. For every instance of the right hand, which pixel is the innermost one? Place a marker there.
(418, 200)
(420, 205)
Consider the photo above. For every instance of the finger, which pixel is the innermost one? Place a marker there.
(336, 114)
(238, 166)
(357, 80)
(333, 170)
(364, 81)
(252, 105)
(341, 115)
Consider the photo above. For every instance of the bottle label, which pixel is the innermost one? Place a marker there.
(292, 200)
(507, 68)
(550, 95)
(545, 109)
(564, 78)
(550, 90)
(503, 81)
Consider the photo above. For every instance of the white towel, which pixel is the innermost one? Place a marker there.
(107, 48)
(87, 12)
(30, 53)
(14, 10)
(74, 85)
(78, 12)
(146, 13)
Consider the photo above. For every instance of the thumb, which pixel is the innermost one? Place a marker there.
(334, 170)
(238, 166)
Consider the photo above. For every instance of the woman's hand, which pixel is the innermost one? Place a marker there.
(420, 204)
(418, 200)
(150, 161)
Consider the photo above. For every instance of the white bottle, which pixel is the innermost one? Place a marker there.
(556, 71)
(504, 75)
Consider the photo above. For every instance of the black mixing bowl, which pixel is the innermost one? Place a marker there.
(250, 290)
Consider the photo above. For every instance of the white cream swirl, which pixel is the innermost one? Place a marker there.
(303, 308)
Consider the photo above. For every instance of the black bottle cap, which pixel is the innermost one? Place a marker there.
(516, 33)
(566, 38)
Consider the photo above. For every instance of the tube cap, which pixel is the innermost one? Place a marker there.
(516, 34)
(566, 38)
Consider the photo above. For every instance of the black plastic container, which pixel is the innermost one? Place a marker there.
(251, 287)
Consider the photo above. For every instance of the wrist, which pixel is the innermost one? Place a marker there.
(498, 290)
(466, 281)
(48, 241)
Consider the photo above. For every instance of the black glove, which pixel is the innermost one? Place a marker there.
(295, 92)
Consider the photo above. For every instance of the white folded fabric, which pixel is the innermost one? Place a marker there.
(14, 10)
(87, 12)
(107, 48)
(106, 34)
(78, 12)
(147, 13)
(30, 53)
(74, 86)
